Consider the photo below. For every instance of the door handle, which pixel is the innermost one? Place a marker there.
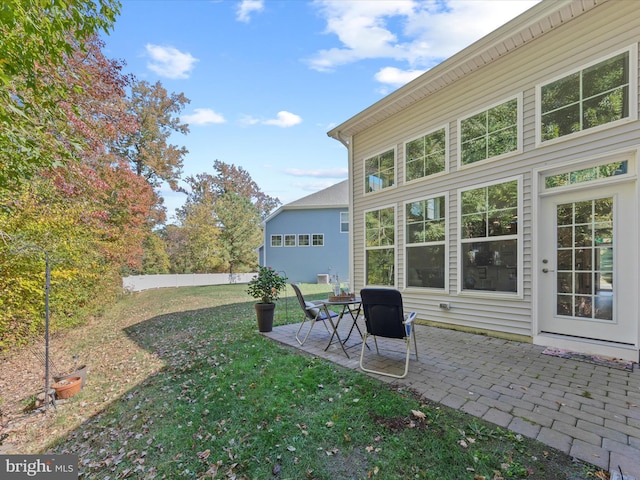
(546, 270)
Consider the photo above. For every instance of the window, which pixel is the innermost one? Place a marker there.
(380, 246)
(344, 222)
(426, 155)
(425, 242)
(276, 240)
(490, 133)
(379, 171)
(289, 240)
(318, 240)
(588, 98)
(303, 240)
(588, 174)
(489, 237)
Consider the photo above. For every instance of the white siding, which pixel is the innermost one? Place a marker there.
(592, 36)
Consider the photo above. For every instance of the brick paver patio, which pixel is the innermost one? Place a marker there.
(589, 411)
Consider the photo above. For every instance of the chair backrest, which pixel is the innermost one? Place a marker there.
(383, 312)
(303, 304)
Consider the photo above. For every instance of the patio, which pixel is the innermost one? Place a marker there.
(589, 411)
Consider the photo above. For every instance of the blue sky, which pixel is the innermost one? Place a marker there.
(268, 78)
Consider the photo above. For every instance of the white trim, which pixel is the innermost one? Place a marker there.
(447, 143)
(519, 293)
(394, 148)
(633, 97)
(519, 108)
(445, 289)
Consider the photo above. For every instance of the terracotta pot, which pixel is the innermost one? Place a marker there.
(81, 372)
(68, 387)
(264, 312)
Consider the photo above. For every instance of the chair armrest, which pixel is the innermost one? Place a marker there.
(409, 318)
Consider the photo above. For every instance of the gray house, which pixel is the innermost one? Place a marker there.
(308, 239)
(499, 190)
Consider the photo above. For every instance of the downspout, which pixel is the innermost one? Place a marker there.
(348, 142)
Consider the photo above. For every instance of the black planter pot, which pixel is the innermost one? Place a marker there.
(264, 312)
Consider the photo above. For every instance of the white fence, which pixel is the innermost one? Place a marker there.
(137, 283)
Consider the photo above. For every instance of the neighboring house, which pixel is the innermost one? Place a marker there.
(310, 237)
(499, 189)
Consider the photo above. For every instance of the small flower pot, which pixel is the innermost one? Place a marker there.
(81, 372)
(68, 387)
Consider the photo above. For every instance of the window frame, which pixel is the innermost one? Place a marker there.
(343, 222)
(519, 141)
(393, 149)
(302, 244)
(288, 236)
(274, 237)
(394, 246)
(318, 236)
(447, 140)
(633, 96)
(519, 293)
(445, 242)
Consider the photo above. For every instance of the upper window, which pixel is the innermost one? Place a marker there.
(276, 240)
(594, 96)
(289, 240)
(426, 229)
(344, 222)
(379, 171)
(587, 174)
(303, 240)
(490, 133)
(489, 237)
(318, 239)
(426, 155)
(380, 246)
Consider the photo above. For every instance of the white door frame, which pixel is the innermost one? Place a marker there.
(625, 351)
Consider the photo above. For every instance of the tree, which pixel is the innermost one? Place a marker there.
(36, 39)
(240, 233)
(229, 179)
(148, 150)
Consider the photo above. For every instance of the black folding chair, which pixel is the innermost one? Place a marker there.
(384, 317)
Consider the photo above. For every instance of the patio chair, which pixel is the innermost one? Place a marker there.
(313, 312)
(384, 317)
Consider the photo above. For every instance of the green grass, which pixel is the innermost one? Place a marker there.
(208, 397)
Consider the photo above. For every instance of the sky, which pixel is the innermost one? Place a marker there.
(267, 79)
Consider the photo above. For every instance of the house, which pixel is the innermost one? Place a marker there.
(308, 239)
(498, 191)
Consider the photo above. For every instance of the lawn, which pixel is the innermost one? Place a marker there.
(182, 385)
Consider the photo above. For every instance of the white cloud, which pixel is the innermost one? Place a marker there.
(247, 7)
(420, 33)
(284, 119)
(203, 116)
(396, 77)
(330, 173)
(169, 62)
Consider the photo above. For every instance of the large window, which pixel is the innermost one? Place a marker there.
(489, 237)
(426, 155)
(588, 98)
(379, 171)
(490, 133)
(380, 246)
(426, 229)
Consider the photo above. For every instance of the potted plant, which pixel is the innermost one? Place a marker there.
(266, 287)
